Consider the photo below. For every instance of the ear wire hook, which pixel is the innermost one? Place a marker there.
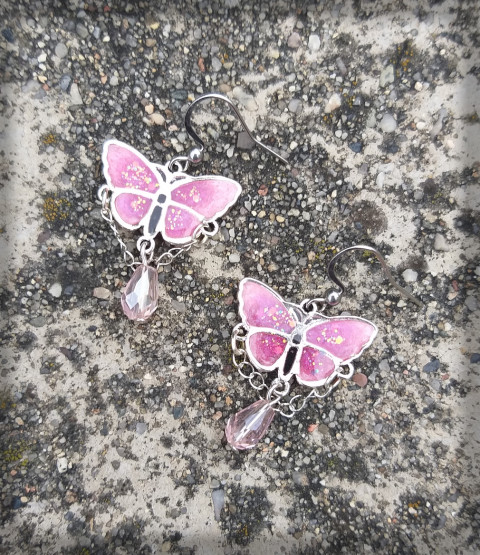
(196, 155)
(333, 296)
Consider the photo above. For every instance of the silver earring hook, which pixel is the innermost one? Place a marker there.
(333, 296)
(196, 155)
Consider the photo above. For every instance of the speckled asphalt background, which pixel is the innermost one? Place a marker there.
(112, 433)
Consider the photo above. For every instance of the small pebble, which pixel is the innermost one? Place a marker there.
(387, 76)
(409, 275)
(356, 147)
(101, 293)
(64, 82)
(218, 498)
(295, 105)
(388, 123)
(432, 366)
(314, 43)
(61, 50)
(55, 290)
(300, 479)
(62, 465)
(234, 258)
(156, 118)
(333, 103)
(471, 303)
(216, 64)
(75, 95)
(440, 243)
(294, 40)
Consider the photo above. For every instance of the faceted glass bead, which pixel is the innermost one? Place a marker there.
(246, 428)
(140, 298)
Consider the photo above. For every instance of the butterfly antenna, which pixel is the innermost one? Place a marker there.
(196, 156)
(333, 296)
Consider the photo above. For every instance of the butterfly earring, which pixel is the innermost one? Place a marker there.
(163, 200)
(294, 341)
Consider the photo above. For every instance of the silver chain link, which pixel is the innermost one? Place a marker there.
(145, 245)
(104, 196)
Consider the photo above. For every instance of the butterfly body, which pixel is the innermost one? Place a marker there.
(283, 336)
(150, 196)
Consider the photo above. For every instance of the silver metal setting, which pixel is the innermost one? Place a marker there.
(196, 155)
(333, 299)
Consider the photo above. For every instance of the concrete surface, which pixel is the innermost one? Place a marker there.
(112, 433)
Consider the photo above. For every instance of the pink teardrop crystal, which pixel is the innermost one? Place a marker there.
(247, 427)
(140, 298)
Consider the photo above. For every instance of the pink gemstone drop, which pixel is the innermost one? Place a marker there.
(246, 428)
(140, 298)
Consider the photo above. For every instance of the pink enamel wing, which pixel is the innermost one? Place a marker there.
(283, 336)
(150, 196)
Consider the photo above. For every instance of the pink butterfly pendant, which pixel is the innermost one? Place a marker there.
(150, 196)
(284, 337)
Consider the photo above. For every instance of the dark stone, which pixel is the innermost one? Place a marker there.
(356, 147)
(391, 147)
(180, 94)
(475, 358)
(244, 141)
(66, 352)
(432, 366)
(8, 35)
(26, 339)
(65, 82)
(178, 411)
(16, 503)
(116, 465)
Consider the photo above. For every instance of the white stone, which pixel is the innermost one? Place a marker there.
(314, 43)
(156, 118)
(410, 275)
(216, 64)
(388, 123)
(62, 465)
(234, 258)
(101, 293)
(418, 86)
(440, 243)
(55, 290)
(380, 179)
(333, 103)
(421, 125)
(387, 76)
(75, 94)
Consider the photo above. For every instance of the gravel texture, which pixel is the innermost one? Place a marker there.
(112, 433)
